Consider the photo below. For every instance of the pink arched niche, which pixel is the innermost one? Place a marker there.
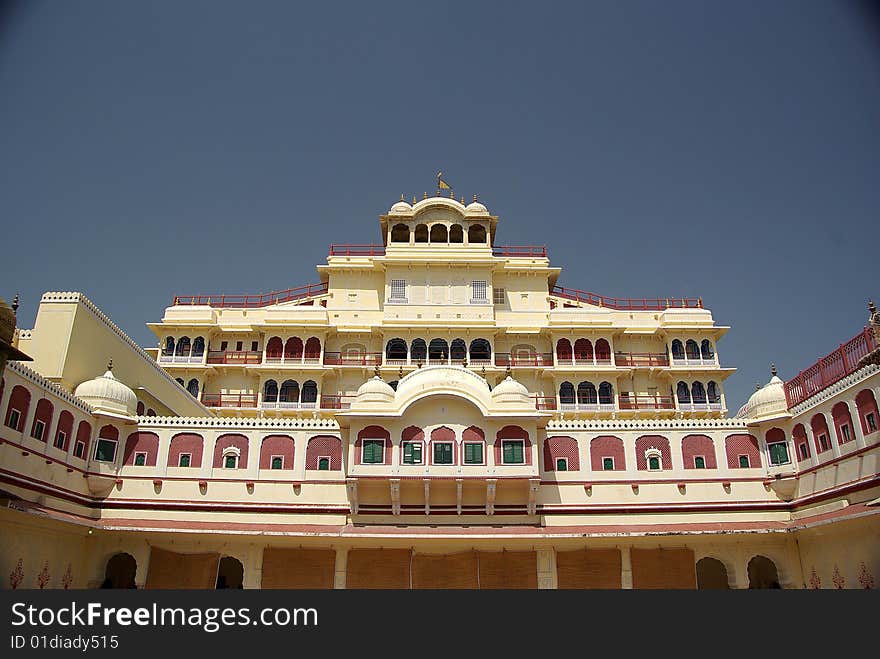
(83, 438)
(799, 435)
(65, 425)
(372, 432)
(277, 445)
(412, 434)
(742, 444)
(43, 413)
(19, 399)
(321, 446)
(513, 432)
(186, 442)
(819, 426)
(647, 442)
(470, 435)
(442, 434)
(141, 442)
(232, 440)
(564, 352)
(866, 404)
(607, 446)
(693, 446)
(842, 418)
(556, 448)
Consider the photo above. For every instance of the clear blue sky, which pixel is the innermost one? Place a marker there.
(729, 150)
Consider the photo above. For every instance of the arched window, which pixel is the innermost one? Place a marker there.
(820, 433)
(42, 419)
(683, 393)
(180, 382)
(711, 574)
(712, 392)
(799, 435)
(313, 348)
(762, 573)
(603, 351)
(586, 394)
(395, 349)
(706, 349)
(289, 392)
(563, 350)
(421, 233)
(480, 349)
(120, 572)
(309, 392)
(231, 451)
(193, 387)
(691, 349)
(583, 350)
(456, 234)
(458, 350)
(439, 234)
(652, 453)
(276, 452)
(698, 452)
(607, 454)
(843, 424)
(418, 350)
(866, 404)
(777, 446)
(566, 393)
(677, 349)
(270, 392)
(438, 350)
(169, 346)
(183, 346)
(274, 348)
(198, 346)
(400, 233)
(64, 431)
(230, 574)
(606, 394)
(698, 392)
(293, 349)
(477, 234)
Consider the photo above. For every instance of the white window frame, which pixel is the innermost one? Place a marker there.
(39, 423)
(364, 446)
(14, 418)
(770, 454)
(82, 451)
(701, 457)
(871, 422)
(272, 460)
(823, 446)
(63, 437)
(482, 446)
(479, 291)
(115, 443)
(607, 457)
(653, 453)
(748, 460)
(556, 462)
(397, 285)
(136, 454)
(231, 452)
(329, 462)
(451, 453)
(521, 441)
(417, 442)
(802, 450)
(844, 430)
(180, 457)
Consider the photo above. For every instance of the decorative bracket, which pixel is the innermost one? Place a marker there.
(534, 486)
(351, 485)
(427, 496)
(458, 487)
(490, 496)
(395, 495)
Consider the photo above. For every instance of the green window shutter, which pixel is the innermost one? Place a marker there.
(473, 453)
(417, 454)
(512, 452)
(230, 462)
(561, 464)
(443, 454)
(744, 461)
(699, 463)
(778, 453)
(106, 451)
(140, 460)
(653, 463)
(277, 463)
(608, 464)
(408, 454)
(373, 451)
(184, 461)
(323, 464)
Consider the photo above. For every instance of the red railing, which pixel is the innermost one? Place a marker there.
(627, 304)
(357, 250)
(250, 301)
(336, 402)
(830, 368)
(635, 402)
(641, 359)
(229, 400)
(281, 358)
(339, 359)
(520, 251)
(505, 358)
(234, 357)
(545, 402)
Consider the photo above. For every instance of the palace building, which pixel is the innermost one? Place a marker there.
(438, 411)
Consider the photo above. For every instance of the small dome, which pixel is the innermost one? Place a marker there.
(107, 394)
(400, 208)
(768, 401)
(510, 386)
(475, 208)
(375, 389)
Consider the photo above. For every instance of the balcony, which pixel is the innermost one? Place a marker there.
(309, 359)
(336, 401)
(505, 359)
(641, 359)
(645, 402)
(339, 359)
(700, 406)
(289, 405)
(599, 360)
(830, 369)
(607, 406)
(256, 300)
(229, 400)
(627, 304)
(182, 359)
(520, 251)
(234, 357)
(545, 402)
(695, 361)
(357, 250)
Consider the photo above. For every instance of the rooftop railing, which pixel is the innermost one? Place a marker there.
(251, 301)
(229, 400)
(357, 250)
(645, 402)
(830, 369)
(627, 304)
(520, 251)
(343, 359)
(234, 357)
(641, 359)
(504, 359)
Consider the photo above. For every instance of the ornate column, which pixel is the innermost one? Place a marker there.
(340, 568)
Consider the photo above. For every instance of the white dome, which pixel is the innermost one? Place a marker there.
(476, 208)
(768, 401)
(400, 208)
(107, 394)
(510, 391)
(375, 390)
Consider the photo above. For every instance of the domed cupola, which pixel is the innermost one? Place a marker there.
(476, 208)
(510, 391)
(401, 208)
(375, 390)
(769, 401)
(106, 394)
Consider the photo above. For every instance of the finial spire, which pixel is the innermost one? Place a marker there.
(110, 365)
(871, 306)
(475, 196)
(757, 386)
(507, 370)
(376, 371)
(15, 304)
(402, 198)
(772, 368)
(400, 373)
(424, 195)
